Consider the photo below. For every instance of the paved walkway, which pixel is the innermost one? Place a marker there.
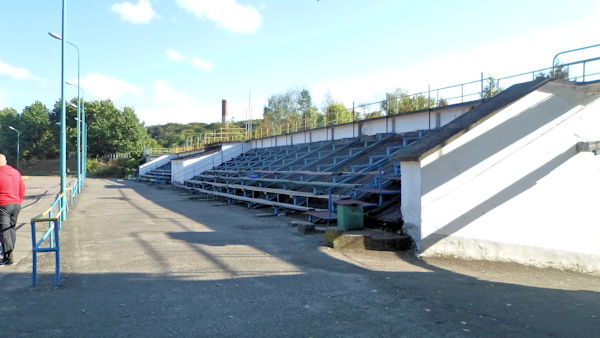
(40, 193)
(143, 261)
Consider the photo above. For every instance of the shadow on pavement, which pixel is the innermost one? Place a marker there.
(241, 275)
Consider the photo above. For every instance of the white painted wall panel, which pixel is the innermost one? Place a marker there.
(403, 124)
(344, 131)
(320, 134)
(411, 199)
(300, 137)
(412, 122)
(281, 140)
(513, 188)
(185, 169)
(374, 127)
(450, 114)
(155, 163)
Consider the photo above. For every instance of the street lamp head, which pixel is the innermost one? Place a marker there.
(73, 105)
(13, 128)
(58, 37)
(71, 84)
(54, 35)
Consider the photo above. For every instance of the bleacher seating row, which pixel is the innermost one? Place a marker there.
(344, 169)
(160, 175)
(309, 178)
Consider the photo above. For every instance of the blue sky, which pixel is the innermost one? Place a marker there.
(175, 60)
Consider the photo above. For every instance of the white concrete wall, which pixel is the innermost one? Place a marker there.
(451, 113)
(373, 127)
(184, 169)
(300, 137)
(344, 131)
(320, 134)
(280, 140)
(412, 122)
(394, 124)
(410, 200)
(513, 188)
(155, 163)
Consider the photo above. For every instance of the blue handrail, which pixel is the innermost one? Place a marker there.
(54, 216)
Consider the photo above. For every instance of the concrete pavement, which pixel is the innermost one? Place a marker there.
(142, 261)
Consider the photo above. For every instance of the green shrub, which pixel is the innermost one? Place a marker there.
(118, 168)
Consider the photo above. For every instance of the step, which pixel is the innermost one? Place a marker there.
(390, 150)
(376, 158)
(354, 151)
(339, 159)
(323, 167)
(371, 239)
(408, 140)
(357, 167)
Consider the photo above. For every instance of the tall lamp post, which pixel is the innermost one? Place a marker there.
(78, 144)
(58, 37)
(81, 136)
(63, 133)
(18, 143)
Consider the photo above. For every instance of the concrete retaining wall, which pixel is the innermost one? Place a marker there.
(514, 188)
(398, 124)
(155, 163)
(185, 169)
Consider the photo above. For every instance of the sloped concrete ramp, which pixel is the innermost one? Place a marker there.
(510, 184)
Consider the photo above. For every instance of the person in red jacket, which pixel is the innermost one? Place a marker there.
(12, 192)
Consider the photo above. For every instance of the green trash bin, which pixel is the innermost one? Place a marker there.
(350, 216)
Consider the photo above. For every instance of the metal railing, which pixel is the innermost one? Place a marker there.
(49, 242)
(199, 141)
(226, 135)
(115, 156)
(400, 103)
(173, 150)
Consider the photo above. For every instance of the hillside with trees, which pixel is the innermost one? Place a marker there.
(110, 130)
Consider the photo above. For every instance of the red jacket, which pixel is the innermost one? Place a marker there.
(12, 187)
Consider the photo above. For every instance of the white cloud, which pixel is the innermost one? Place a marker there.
(174, 55)
(171, 105)
(228, 14)
(194, 61)
(164, 94)
(201, 64)
(141, 12)
(105, 87)
(17, 73)
(175, 114)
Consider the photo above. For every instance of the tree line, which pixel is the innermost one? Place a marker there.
(109, 130)
(294, 110)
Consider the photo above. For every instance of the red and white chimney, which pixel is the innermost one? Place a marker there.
(224, 112)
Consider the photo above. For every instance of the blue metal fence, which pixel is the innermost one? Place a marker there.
(49, 242)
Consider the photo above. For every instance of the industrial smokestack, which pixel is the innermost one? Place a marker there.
(224, 112)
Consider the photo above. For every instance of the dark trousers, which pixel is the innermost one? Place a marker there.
(8, 234)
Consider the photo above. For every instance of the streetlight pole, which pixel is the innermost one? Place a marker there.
(82, 144)
(18, 142)
(84, 140)
(78, 119)
(63, 133)
(58, 37)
